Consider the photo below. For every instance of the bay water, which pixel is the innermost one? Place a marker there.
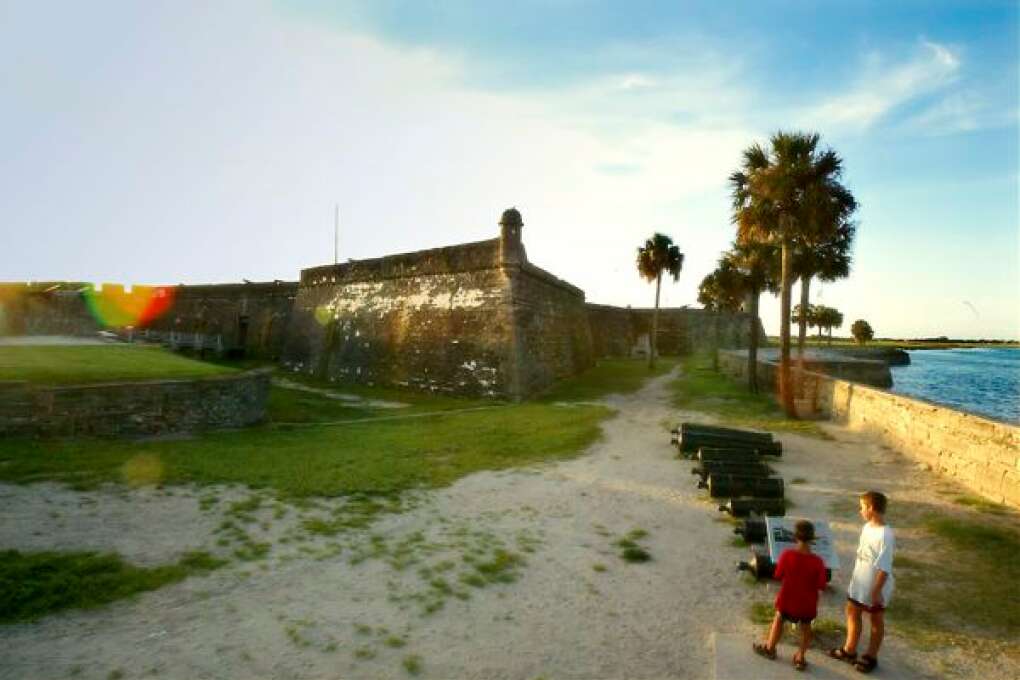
(985, 381)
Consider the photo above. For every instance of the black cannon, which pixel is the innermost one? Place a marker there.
(728, 486)
(759, 565)
(728, 468)
(742, 507)
(731, 432)
(752, 529)
(694, 441)
(708, 455)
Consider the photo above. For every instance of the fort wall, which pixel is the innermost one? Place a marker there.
(437, 320)
(616, 331)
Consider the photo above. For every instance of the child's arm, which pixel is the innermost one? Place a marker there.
(876, 589)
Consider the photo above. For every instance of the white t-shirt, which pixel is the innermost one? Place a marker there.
(874, 553)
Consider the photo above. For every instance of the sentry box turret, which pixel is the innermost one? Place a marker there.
(779, 538)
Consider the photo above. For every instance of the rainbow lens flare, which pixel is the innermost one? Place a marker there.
(114, 307)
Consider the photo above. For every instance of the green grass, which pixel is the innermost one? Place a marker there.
(373, 457)
(963, 584)
(762, 612)
(99, 363)
(702, 389)
(33, 585)
(981, 504)
(608, 376)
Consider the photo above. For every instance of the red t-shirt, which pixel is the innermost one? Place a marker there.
(803, 575)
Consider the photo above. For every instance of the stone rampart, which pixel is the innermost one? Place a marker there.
(473, 319)
(231, 318)
(439, 321)
(981, 453)
(616, 331)
(136, 408)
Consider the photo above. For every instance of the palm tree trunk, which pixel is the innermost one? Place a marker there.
(752, 352)
(653, 341)
(805, 286)
(785, 377)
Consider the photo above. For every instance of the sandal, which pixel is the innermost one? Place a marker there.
(843, 655)
(866, 664)
(762, 650)
(800, 663)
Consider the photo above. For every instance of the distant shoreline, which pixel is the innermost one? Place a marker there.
(773, 341)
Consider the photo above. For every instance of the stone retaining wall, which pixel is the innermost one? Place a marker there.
(137, 408)
(981, 453)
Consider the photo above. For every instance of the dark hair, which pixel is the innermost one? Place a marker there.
(804, 531)
(876, 500)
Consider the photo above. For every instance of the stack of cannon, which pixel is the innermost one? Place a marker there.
(731, 465)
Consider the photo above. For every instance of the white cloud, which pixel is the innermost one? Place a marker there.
(961, 112)
(883, 87)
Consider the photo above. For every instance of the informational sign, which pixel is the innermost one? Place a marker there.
(779, 532)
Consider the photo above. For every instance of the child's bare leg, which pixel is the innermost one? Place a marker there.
(805, 639)
(877, 632)
(853, 627)
(775, 631)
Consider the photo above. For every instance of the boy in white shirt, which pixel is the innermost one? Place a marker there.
(871, 585)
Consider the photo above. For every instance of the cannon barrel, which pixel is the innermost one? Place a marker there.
(691, 442)
(708, 454)
(759, 565)
(721, 485)
(752, 529)
(743, 469)
(742, 507)
(731, 432)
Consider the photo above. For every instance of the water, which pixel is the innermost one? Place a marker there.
(979, 380)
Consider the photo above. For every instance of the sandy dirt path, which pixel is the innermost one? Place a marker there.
(360, 606)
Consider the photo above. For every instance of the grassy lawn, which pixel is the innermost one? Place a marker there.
(702, 389)
(99, 363)
(609, 376)
(35, 584)
(374, 457)
(308, 458)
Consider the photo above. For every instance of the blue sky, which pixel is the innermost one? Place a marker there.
(166, 142)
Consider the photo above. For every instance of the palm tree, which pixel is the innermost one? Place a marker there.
(757, 264)
(658, 255)
(828, 260)
(787, 195)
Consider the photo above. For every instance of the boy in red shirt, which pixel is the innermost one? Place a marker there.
(803, 575)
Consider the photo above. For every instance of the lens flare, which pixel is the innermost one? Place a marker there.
(143, 469)
(114, 307)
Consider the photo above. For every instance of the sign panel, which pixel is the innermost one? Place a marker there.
(779, 532)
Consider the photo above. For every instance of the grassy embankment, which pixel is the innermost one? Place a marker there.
(307, 451)
(700, 388)
(60, 365)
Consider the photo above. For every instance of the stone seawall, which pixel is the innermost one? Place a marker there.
(981, 453)
(137, 408)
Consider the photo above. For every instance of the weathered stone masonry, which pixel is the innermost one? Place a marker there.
(476, 318)
(135, 408)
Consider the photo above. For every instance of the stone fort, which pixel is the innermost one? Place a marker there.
(472, 319)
